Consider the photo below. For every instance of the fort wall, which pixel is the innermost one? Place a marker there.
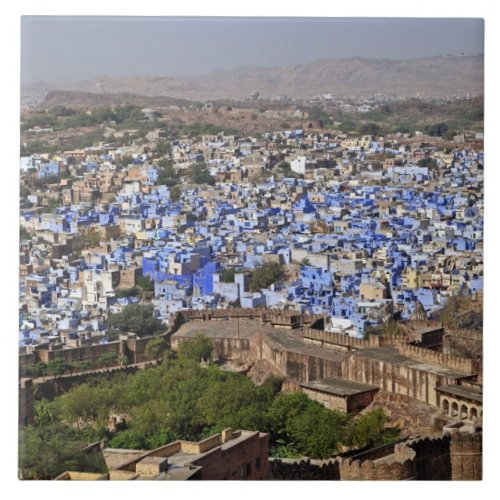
(300, 367)
(395, 378)
(432, 457)
(454, 362)
(466, 453)
(286, 469)
(379, 470)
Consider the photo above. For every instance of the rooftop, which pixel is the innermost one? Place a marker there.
(461, 392)
(339, 386)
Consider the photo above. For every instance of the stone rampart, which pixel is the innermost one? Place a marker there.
(336, 339)
(432, 457)
(286, 469)
(454, 362)
(53, 387)
(466, 453)
(380, 470)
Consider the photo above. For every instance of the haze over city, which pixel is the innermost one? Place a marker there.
(67, 48)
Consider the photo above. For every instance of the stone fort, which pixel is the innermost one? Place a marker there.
(342, 373)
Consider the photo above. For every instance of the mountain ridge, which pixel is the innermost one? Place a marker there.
(429, 77)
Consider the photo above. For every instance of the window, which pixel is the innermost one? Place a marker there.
(249, 469)
(257, 463)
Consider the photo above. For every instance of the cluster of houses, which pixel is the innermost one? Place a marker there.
(364, 229)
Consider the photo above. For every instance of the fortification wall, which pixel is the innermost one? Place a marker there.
(278, 317)
(225, 348)
(285, 469)
(115, 458)
(380, 470)
(432, 457)
(27, 360)
(335, 339)
(395, 378)
(90, 352)
(300, 367)
(26, 409)
(454, 362)
(466, 453)
(56, 386)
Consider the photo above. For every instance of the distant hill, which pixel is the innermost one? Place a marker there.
(430, 77)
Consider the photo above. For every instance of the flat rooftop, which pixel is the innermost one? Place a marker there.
(461, 392)
(219, 328)
(392, 355)
(291, 341)
(339, 386)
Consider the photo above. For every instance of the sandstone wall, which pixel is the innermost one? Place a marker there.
(354, 470)
(466, 452)
(323, 470)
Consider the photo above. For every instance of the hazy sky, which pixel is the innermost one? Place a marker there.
(65, 49)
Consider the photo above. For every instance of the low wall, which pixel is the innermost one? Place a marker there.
(56, 386)
(115, 458)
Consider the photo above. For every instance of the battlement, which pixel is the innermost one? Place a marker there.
(448, 360)
(338, 339)
(388, 469)
(286, 319)
(462, 442)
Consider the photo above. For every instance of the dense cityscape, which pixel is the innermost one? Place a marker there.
(262, 288)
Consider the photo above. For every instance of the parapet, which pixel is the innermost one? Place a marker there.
(447, 360)
(464, 442)
(384, 469)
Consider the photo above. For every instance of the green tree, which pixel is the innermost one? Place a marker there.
(136, 318)
(175, 193)
(45, 412)
(132, 439)
(45, 451)
(41, 369)
(284, 166)
(83, 365)
(227, 275)
(266, 275)
(450, 313)
(156, 348)
(305, 426)
(166, 172)
(108, 359)
(367, 430)
(196, 349)
(199, 174)
(146, 283)
(437, 129)
(369, 129)
(58, 367)
(85, 406)
(318, 432)
(127, 292)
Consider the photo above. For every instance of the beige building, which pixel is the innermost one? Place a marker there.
(372, 291)
(236, 455)
(340, 394)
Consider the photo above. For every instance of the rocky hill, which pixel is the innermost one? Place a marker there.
(426, 77)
